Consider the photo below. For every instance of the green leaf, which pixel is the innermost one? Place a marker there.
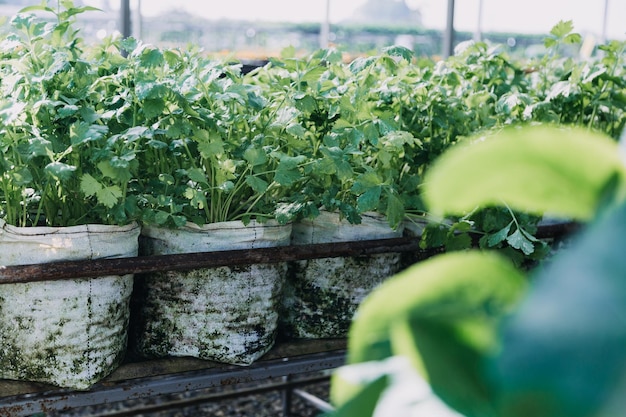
(287, 171)
(525, 168)
(153, 108)
(115, 173)
(369, 200)
(458, 241)
(255, 156)
(395, 210)
(109, 196)
(563, 349)
(399, 51)
(296, 129)
(151, 56)
(197, 175)
(60, 171)
(366, 181)
(313, 75)
(562, 28)
(21, 177)
(448, 354)
(455, 287)
(82, 132)
(495, 238)
(257, 184)
(442, 313)
(519, 241)
(89, 185)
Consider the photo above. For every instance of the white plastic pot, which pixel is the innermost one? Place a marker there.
(225, 314)
(70, 333)
(322, 295)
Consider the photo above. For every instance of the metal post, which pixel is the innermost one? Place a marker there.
(604, 21)
(125, 17)
(325, 31)
(448, 39)
(478, 35)
(139, 21)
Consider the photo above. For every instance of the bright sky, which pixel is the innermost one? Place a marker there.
(532, 16)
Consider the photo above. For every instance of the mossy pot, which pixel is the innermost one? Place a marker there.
(70, 333)
(322, 295)
(224, 314)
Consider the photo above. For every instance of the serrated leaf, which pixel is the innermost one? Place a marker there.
(118, 174)
(89, 185)
(521, 242)
(499, 236)
(151, 57)
(153, 108)
(39, 146)
(313, 75)
(288, 171)
(287, 174)
(109, 196)
(458, 241)
(210, 147)
(196, 198)
(562, 28)
(399, 51)
(255, 156)
(297, 130)
(365, 181)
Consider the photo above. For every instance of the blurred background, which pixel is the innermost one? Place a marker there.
(257, 29)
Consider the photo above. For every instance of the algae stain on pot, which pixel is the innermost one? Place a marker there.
(69, 333)
(322, 295)
(213, 313)
(226, 314)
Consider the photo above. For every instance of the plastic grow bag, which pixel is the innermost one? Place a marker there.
(225, 314)
(322, 295)
(69, 333)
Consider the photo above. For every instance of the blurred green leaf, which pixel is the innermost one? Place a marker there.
(537, 169)
(563, 350)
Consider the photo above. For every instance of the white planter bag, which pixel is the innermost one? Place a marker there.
(225, 314)
(70, 333)
(322, 295)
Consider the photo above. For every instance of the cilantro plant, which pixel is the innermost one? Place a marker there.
(58, 166)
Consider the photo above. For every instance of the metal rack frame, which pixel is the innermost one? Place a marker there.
(146, 379)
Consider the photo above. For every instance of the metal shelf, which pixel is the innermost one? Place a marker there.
(147, 379)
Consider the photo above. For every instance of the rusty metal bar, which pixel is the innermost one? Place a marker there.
(143, 264)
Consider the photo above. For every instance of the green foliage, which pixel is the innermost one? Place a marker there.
(58, 166)
(492, 347)
(122, 131)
